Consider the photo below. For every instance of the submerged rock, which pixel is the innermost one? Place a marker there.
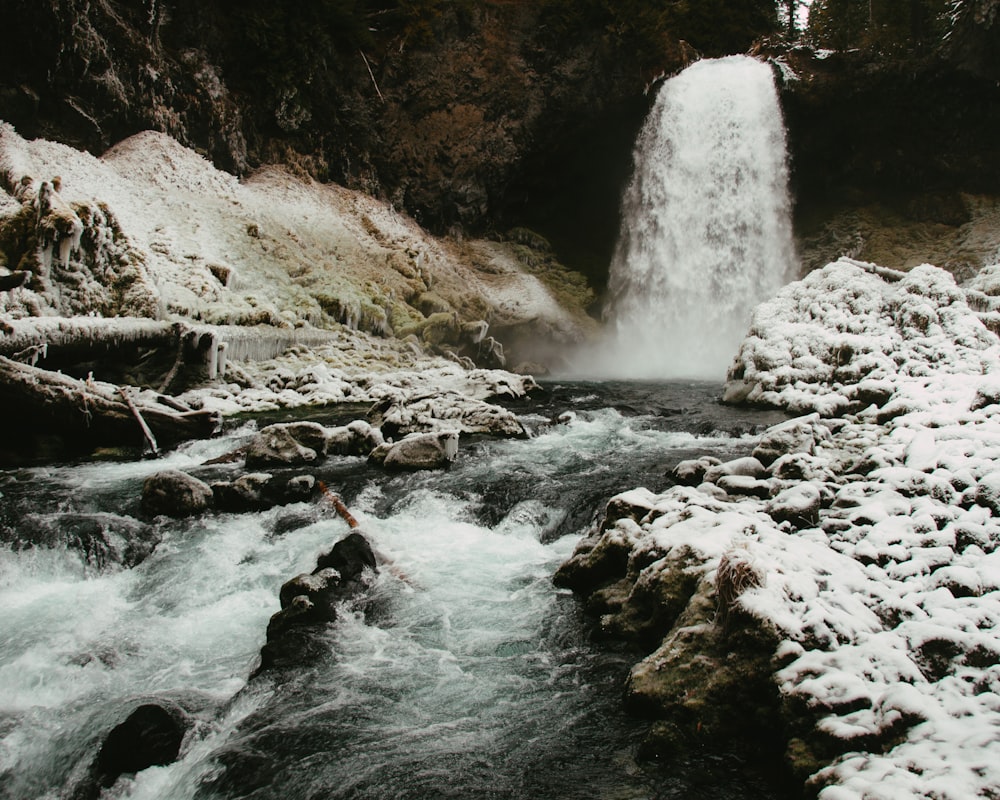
(103, 540)
(150, 736)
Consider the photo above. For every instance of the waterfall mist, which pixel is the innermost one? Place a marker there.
(706, 230)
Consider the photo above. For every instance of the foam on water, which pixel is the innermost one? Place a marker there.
(474, 678)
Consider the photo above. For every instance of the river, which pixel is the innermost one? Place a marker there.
(470, 676)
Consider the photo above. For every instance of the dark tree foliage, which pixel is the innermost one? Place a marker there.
(973, 36)
(720, 27)
(885, 26)
(713, 27)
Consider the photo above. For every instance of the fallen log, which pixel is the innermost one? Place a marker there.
(146, 432)
(89, 412)
(338, 505)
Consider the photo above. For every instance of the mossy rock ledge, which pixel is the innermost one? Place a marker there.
(706, 681)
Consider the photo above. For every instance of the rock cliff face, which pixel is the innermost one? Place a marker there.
(894, 159)
(464, 115)
(477, 117)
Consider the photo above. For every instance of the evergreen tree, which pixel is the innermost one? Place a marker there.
(886, 26)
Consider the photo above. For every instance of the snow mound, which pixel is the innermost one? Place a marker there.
(176, 238)
(837, 339)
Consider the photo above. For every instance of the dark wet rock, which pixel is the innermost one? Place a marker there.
(350, 557)
(151, 735)
(243, 494)
(597, 561)
(294, 490)
(710, 686)
(311, 600)
(317, 587)
(293, 521)
(258, 491)
(299, 610)
(175, 494)
(707, 677)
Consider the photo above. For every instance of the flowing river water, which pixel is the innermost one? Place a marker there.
(471, 676)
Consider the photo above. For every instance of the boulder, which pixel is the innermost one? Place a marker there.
(175, 494)
(418, 451)
(243, 494)
(150, 736)
(801, 467)
(397, 416)
(358, 438)
(987, 492)
(692, 471)
(258, 491)
(286, 445)
(350, 557)
(602, 557)
(799, 504)
(748, 466)
(795, 436)
(744, 485)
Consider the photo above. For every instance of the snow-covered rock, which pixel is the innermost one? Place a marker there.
(877, 552)
(840, 337)
(418, 451)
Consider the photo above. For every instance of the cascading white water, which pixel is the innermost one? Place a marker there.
(706, 231)
(473, 678)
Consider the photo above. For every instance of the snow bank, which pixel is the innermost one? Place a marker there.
(844, 336)
(182, 240)
(876, 535)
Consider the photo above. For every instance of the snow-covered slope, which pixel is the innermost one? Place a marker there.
(165, 234)
(845, 335)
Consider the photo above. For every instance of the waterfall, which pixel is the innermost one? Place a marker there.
(706, 232)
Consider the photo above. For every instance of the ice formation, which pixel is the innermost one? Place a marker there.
(153, 230)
